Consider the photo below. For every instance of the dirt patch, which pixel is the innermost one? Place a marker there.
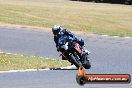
(37, 28)
(24, 26)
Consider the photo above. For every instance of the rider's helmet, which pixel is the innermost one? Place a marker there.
(56, 29)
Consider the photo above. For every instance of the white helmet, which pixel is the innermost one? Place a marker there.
(56, 29)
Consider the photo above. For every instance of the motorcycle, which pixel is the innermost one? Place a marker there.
(71, 51)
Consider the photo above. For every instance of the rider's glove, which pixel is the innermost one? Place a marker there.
(65, 31)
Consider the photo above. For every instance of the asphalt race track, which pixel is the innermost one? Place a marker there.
(109, 55)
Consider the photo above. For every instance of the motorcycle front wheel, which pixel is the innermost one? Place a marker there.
(86, 63)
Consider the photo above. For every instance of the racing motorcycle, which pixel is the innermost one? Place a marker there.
(71, 51)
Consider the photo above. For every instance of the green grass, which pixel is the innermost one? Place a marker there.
(110, 19)
(18, 62)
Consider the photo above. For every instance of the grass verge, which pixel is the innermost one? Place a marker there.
(18, 62)
(98, 18)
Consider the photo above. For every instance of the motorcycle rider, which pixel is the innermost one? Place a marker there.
(58, 30)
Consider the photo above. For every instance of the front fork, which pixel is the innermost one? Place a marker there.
(78, 57)
(73, 58)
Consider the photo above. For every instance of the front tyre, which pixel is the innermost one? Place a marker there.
(86, 63)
